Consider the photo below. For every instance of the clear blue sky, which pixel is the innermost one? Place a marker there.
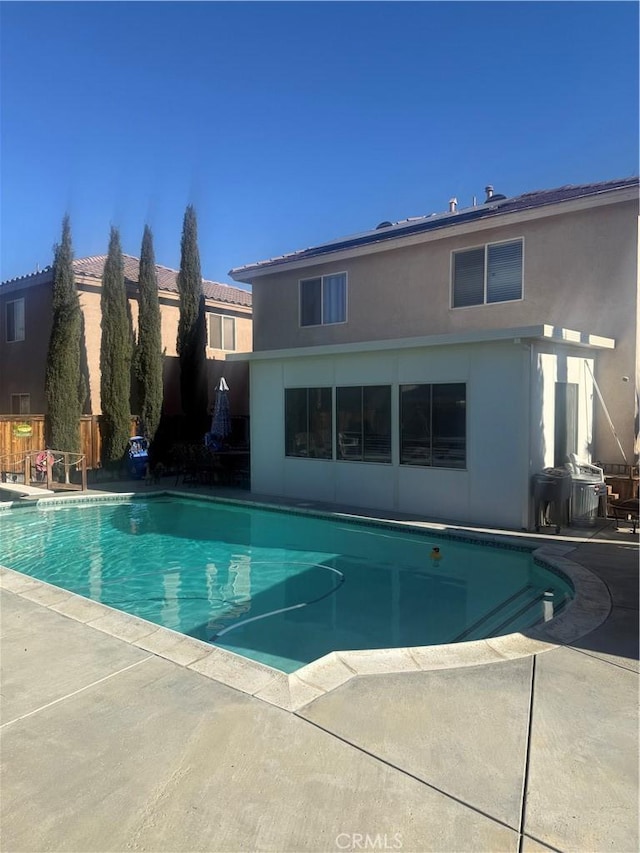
(290, 124)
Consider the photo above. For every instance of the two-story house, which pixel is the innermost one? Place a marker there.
(434, 365)
(26, 314)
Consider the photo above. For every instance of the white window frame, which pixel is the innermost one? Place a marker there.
(20, 398)
(322, 278)
(484, 246)
(222, 317)
(6, 321)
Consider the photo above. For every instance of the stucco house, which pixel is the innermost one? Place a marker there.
(25, 312)
(434, 365)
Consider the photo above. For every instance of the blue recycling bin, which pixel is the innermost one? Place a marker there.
(137, 457)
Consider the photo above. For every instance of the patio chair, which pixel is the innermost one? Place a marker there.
(625, 511)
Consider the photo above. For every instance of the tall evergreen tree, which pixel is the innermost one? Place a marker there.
(115, 356)
(64, 386)
(149, 354)
(192, 333)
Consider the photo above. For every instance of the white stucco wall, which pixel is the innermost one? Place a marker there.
(548, 368)
(492, 490)
(510, 428)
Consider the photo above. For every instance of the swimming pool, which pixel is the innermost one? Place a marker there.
(281, 588)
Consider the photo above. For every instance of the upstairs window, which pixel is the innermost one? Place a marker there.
(487, 274)
(222, 332)
(15, 321)
(323, 300)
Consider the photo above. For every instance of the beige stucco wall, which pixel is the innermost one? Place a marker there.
(169, 318)
(17, 359)
(22, 363)
(580, 272)
(90, 305)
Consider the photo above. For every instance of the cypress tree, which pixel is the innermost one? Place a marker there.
(149, 354)
(115, 356)
(192, 337)
(64, 386)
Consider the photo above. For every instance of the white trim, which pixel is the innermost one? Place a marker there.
(617, 196)
(546, 332)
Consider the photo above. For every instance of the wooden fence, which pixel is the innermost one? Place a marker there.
(13, 440)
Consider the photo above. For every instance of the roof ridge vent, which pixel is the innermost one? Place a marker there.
(492, 196)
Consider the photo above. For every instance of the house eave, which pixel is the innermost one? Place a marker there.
(542, 332)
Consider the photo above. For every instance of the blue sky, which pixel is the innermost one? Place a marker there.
(290, 124)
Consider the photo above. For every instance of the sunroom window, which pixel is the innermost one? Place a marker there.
(308, 422)
(363, 428)
(433, 425)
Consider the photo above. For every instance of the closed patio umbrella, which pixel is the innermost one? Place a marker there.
(221, 419)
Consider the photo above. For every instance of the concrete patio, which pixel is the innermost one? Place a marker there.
(109, 747)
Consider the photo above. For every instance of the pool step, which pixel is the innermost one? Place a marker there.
(513, 610)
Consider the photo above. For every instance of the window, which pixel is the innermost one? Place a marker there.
(323, 300)
(488, 274)
(363, 415)
(20, 404)
(222, 332)
(433, 425)
(15, 321)
(307, 422)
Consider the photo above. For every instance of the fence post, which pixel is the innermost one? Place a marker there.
(84, 473)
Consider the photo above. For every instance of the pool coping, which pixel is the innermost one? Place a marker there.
(588, 609)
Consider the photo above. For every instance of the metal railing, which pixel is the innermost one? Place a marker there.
(57, 470)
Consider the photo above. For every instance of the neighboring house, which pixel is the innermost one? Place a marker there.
(25, 312)
(434, 365)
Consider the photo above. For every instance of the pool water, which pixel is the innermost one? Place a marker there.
(277, 587)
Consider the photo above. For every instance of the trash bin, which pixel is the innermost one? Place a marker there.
(587, 488)
(586, 492)
(551, 494)
(137, 457)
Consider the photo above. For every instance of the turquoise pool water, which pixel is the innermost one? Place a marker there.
(281, 588)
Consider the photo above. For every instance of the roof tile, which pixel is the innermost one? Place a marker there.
(93, 267)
